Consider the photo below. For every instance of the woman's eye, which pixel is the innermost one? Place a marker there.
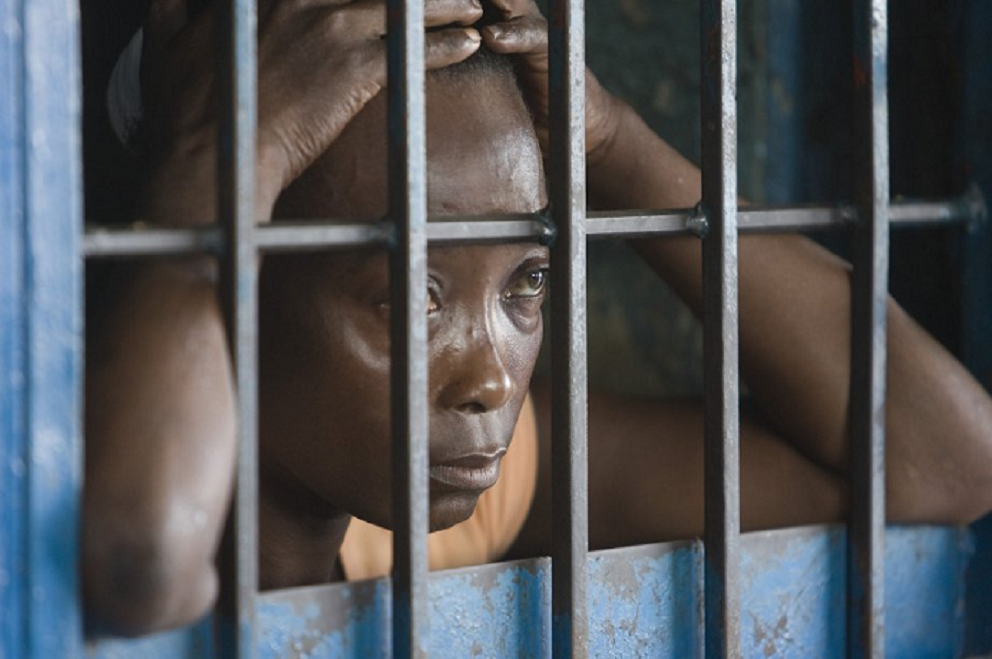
(531, 285)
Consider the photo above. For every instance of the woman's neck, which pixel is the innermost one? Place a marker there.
(298, 544)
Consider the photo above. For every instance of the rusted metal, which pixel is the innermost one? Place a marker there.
(720, 349)
(866, 603)
(313, 235)
(236, 76)
(408, 326)
(569, 422)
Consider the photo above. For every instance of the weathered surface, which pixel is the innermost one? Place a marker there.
(643, 601)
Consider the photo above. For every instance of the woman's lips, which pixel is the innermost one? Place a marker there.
(472, 472)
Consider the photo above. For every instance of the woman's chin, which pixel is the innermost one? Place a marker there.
(451, 508)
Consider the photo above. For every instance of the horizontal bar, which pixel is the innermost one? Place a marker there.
(314, 235)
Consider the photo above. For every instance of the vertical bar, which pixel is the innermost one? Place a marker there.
(718, 21)
(236, 76)
(868, 352)
(40, 306)
(408, 292)
(566, 31)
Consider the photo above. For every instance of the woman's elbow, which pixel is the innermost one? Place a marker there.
(140, 585)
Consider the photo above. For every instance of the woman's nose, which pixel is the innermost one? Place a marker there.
(477, 380)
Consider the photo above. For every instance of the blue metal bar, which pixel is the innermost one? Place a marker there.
(40, 324)
(718, 41)
(866, 637)
(408, 292)
(569, 422)
(13, 475)
(236, 75)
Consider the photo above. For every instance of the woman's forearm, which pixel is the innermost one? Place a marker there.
(160, 451)
(794, 303)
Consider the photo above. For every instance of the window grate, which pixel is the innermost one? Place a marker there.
(567, 227)
(866, 546)
(721, 428)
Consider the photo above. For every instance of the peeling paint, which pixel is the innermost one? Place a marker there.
(643, 602)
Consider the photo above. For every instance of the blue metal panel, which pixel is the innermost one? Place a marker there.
(11, 335)
(194, 642)
(40, 198)
(793, 594)
(645, 601)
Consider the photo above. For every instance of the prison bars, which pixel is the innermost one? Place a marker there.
(721, 428)
(866, 529)
(236, 76)
(717, 220)
(105, 241)
(408, 326)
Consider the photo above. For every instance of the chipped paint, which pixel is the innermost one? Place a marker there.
(643, 601)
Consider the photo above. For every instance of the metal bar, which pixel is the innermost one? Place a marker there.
(866, 546)
(312, 235)
(236, 76)
(718, 22)
(569, 419)
(41, 447)
(408, 291)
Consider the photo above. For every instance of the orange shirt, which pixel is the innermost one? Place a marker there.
(367, 551)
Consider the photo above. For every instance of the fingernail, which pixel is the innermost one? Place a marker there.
(473, 35)
(495, 32)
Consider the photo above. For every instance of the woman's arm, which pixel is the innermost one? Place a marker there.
(646, 459)
(160, 420)
(795, 325)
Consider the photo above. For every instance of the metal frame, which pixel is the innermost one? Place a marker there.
(567, 227)
(869, 299)
(718, 60)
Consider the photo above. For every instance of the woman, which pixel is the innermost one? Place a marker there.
(160, 420)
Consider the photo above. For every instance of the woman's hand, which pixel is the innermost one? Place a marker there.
(524, 32)
(319, 63)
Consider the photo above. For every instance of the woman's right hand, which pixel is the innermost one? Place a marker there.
(319, 63)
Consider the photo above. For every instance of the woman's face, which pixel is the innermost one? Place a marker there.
(325, 423)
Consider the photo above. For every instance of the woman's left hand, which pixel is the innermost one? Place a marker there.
(524, 33)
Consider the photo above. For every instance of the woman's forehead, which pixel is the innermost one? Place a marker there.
(483, 158)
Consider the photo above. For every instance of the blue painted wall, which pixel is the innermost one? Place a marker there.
(40, 221)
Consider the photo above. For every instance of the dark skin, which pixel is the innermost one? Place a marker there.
(160, 421)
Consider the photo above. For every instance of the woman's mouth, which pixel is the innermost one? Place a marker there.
(472, 472)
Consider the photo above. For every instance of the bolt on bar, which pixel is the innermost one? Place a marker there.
(236, 212)
(569, 418)
(866, 637)
(720, 350)
(408, 327)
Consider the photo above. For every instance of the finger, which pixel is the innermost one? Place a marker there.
(511, 9)
(369, 16)
(451, 12)
(446, 47)
(528, 35)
